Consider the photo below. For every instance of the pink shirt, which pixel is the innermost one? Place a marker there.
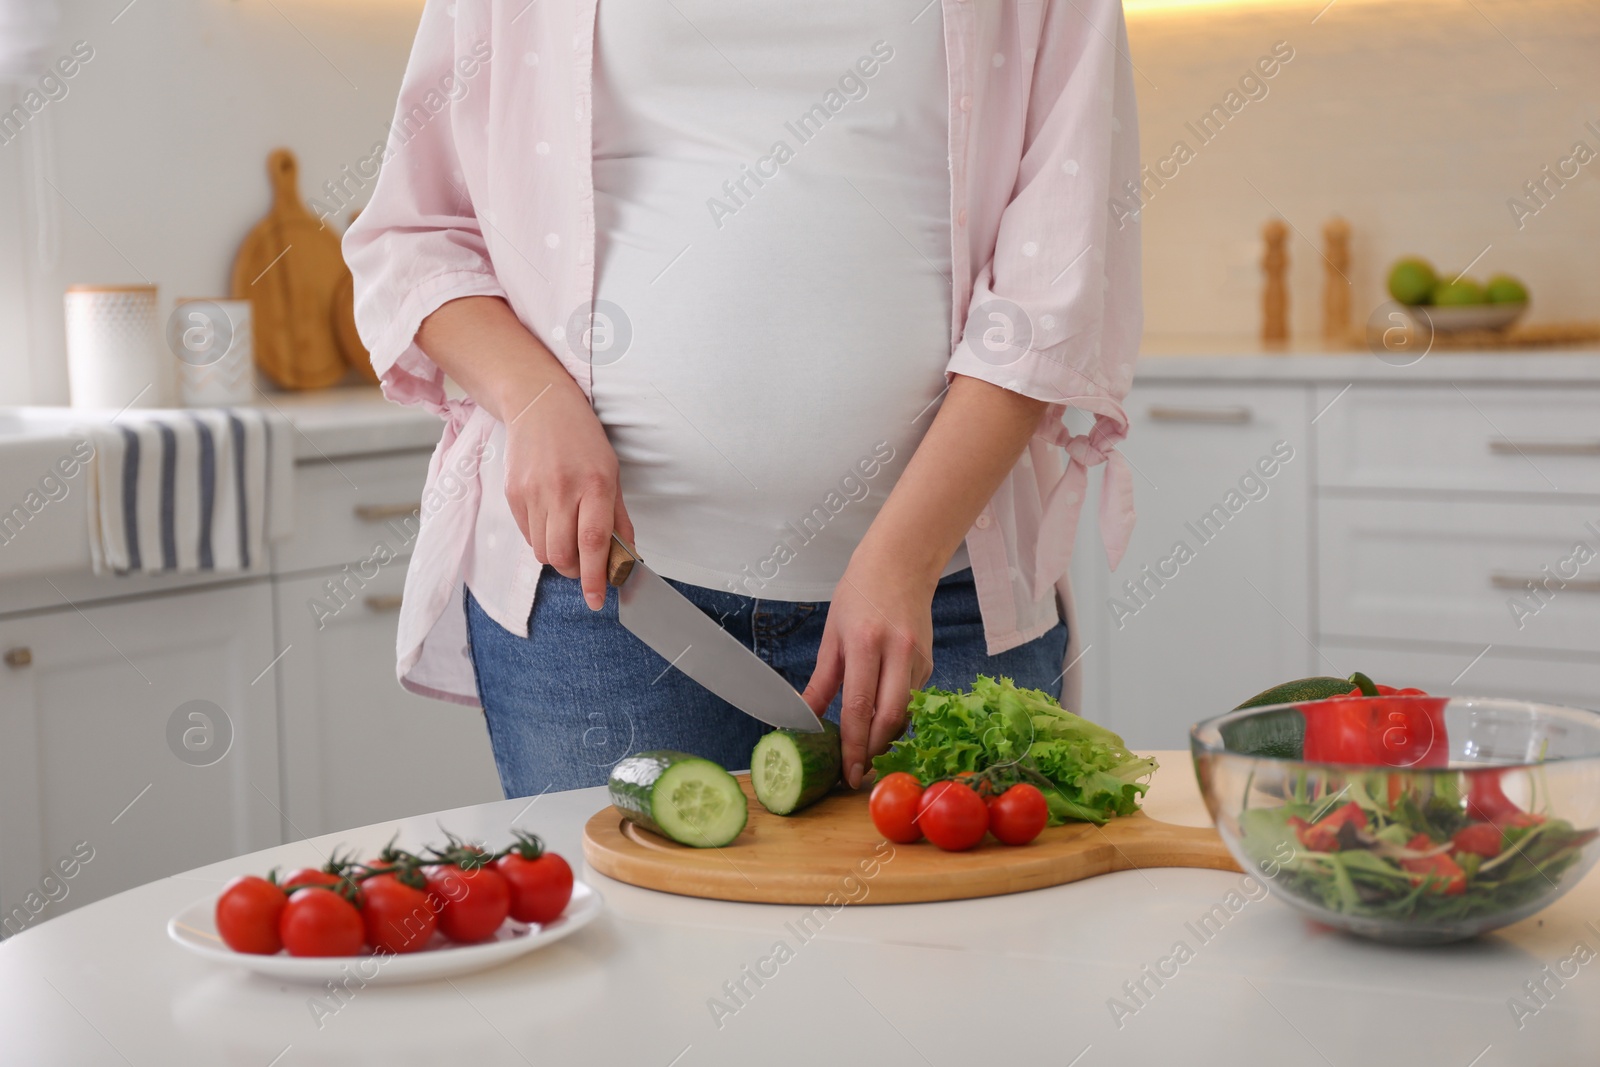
(487, 190)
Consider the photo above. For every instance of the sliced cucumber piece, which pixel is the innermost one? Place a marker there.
(678, 795)
(791, 770)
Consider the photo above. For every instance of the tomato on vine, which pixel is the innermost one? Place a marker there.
(952, 815)
(540, 881)
(247, 915)
(893, 807)
(1018, 815)
(317, 921)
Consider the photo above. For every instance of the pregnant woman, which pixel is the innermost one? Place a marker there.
(794, 298)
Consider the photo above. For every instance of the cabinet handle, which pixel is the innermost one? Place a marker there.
(1233, 415)
(380, 512)
(383, 603)
(19, 657)
(1521, 581)
(1501, 446)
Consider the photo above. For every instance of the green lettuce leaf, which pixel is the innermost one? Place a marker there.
(1091, 774)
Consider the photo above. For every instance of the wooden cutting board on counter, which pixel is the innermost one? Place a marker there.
(290, 268)
(807, 858)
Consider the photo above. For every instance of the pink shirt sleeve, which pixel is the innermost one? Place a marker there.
(1056, 314)
(419, 244)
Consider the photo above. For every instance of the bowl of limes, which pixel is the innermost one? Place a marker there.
(1449, 304)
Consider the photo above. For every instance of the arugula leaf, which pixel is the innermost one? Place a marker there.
(1364, 882)
(1092, 777)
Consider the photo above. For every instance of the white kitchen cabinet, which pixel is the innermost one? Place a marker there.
(1211, 603)
(1475, 572)
(353, 509)
(1498, 672)
(1459, 439)
(358, 748)
(90, 752)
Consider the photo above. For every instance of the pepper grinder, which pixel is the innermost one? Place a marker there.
(1275, 293)
(1336, 281)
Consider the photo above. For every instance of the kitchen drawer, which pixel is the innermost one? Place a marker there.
(344, 508)
(1500, 673)
(1460, 439)
(1454, 571)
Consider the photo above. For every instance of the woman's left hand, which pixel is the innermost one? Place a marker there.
(877, 643)
(878, 640)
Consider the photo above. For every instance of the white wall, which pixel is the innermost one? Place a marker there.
(160, 147)
(1414, 118)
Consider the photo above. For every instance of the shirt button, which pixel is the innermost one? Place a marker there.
(983, 522)
(966, 103)
(961, 217)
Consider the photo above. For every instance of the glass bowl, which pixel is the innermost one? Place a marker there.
(1417, 820)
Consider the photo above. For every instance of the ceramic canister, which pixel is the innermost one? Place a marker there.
(213, 340)
(114, 353)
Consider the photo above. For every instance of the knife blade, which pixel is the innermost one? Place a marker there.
(691, 641)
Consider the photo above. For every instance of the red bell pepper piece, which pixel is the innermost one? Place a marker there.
(1487, 801)
(1369, 729)
(1323, 835)
(1439, 867)
(1314, 838)
(1480, 838)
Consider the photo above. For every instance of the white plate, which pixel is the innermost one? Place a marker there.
(195, 929)
(1449, 318)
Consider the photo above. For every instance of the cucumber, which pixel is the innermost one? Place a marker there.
(680, 796)
(1301, 690)
(1280, 734)
(792, 770)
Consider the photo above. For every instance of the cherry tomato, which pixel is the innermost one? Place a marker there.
(471, 903)
(540, 888)
(893, 806)
(247, 915)
(1019, 814)
(952, 816)
(305, 876)
(319, 922)
(1480, 838)
(397, 917)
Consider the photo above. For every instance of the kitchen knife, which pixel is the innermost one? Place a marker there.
(691, 641)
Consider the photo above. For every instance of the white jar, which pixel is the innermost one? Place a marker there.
(214, 343)
(115, 358)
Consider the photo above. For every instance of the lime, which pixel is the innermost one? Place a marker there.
(1411, 280)
(1458, 292)
(1504, 289)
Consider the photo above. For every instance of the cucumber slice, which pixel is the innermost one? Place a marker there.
(791, 770)
(681, 796)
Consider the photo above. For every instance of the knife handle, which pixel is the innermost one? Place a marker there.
(620, 563)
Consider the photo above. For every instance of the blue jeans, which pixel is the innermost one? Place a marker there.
(579, 693)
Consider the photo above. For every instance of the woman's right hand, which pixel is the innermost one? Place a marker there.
(561, 474)
(562, 484)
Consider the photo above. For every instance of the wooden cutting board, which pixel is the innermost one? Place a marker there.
(290, 268)
(355, 354)
(830, 851)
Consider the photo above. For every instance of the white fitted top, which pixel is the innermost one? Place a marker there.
(772, 297)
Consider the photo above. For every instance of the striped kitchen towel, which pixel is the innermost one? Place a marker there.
(186, 492)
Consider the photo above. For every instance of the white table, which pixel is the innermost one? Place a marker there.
(1022, 979)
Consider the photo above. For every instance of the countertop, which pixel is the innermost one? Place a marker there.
(1025, 979)
(351, 421)
(1203, 359)
(356, 420)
